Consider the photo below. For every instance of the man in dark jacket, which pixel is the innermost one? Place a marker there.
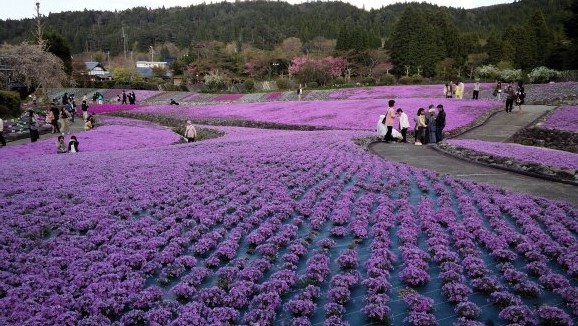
(56, 112)
(440, 123)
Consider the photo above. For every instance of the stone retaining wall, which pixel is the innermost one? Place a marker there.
(554, 139)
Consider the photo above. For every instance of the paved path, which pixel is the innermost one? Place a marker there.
(429, 158)
(75, 128)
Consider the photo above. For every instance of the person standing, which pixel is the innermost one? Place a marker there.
(431, 125)
(420, 126)
(2, 140)
(84, 108)
(300, 91)
(403, 124)
(476, 93)
(498, 90)
(520, 95)
(462, 89)
(123, 97)
(33, 126)
(64, 121)
(55, 117)
(510, 97)
(190, 132)
(389, 120)
(440, 123)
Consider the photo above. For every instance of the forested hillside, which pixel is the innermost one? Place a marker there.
(262, 24)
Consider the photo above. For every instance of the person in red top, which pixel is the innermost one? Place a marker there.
(389, 120)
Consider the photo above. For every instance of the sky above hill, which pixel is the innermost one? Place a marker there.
(27, 8)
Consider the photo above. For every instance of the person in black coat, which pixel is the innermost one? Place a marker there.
(440, 123)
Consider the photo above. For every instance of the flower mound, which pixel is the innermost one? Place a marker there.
(529, 154)
(564, 118)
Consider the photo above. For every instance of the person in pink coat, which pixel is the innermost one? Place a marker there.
(390, 116)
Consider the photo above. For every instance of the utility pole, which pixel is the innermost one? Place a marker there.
(152, 53)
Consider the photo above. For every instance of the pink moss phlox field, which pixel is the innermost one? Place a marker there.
(530, 154)
(237, 230)
(412, 91)
(114, 134)
(564, 118)
(343, 114)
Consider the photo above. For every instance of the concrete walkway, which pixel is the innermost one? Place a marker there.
(75, 128)
(498, 128)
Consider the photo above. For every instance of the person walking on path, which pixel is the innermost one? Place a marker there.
(190, 132)
(2, 140)
(498, 90)
(520, 96)
(33, 126)
(476, 93)
(403, 124)
(510, 97)
(440, 123)
(389, 120)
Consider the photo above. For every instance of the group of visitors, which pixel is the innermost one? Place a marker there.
(452, 90)
(428, 126)
(513, 95)
(61, 147)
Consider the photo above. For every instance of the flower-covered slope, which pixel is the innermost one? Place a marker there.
(530, 154)
(564, 118)
(345, 114)
(114, 134)
(274, 227)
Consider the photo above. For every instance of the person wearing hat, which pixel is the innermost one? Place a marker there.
(389, 120)
(440, 123)
(190, 132)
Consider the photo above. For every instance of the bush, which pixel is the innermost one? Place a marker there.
(369, 81)
(312, 85)
(282, 83)
(417, 79)
(488, 72)
(249, 85)
(543, 75)
(510, 75)
(388, 79)
(405, 80)
(9, 104)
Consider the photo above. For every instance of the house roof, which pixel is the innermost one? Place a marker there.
(90, 65)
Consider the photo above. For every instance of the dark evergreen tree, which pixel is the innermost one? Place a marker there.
(57, 45)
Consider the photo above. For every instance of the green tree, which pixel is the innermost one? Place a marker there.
(414, 45)
(57, 45)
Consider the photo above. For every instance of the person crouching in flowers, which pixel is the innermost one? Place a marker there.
(60, 145)
(73, 145)
(87, 125)
(381, 131)
(190, 132)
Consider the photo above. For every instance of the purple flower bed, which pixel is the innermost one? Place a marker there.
(530, 154)
(412, 91)
(115, 134)
(232, 231)
(345, 114)
(564, 118)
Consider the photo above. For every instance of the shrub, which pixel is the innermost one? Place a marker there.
(543, 75)
(405, 80)
(282, 83)
(388, 79)
(417, 79)
(312, 85)
(488, 72)
(510, 75)
(370, 81)
(9, 104)
(249, 84)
